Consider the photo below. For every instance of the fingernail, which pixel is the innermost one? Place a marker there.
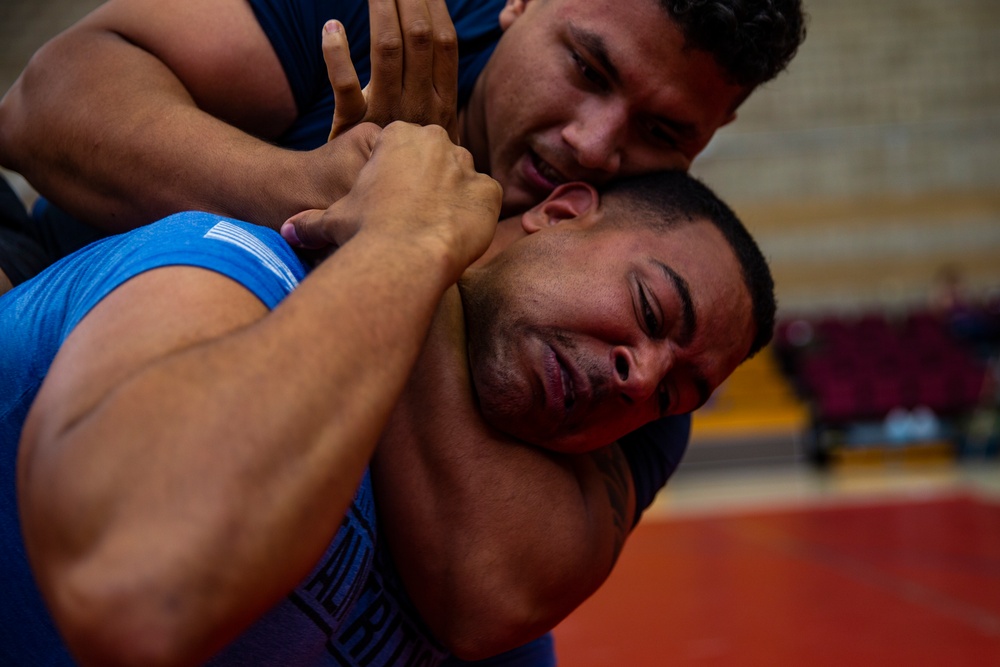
(288, 233)
(331, 26)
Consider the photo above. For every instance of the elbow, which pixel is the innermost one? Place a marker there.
(107, 621)
(23, 122)
(10, 127)
(489, 615)
(34, 106)
(482, 646)
(480, 630)
(474, 649)
(479, 645)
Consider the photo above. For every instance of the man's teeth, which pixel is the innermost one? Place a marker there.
(548, 173)
(569, 395)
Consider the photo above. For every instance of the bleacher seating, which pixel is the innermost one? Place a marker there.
(862, 368)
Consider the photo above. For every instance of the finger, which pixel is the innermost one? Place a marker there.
(348, 98)
(418, 61)
(385, 87)
(445, 55)
(307, 230)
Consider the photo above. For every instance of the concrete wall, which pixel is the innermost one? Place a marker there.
(895, 95)
(875, 160)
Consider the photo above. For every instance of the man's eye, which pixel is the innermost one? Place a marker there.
(660, 135)
(589, 73)
(648, 316)
(664, 400)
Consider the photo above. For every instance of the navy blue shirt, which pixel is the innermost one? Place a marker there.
(295, 28)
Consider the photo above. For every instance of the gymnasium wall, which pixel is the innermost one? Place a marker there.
(873, 163)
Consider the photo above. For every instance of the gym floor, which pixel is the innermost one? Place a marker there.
(787, 566)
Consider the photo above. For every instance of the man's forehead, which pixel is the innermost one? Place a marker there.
(621, 29)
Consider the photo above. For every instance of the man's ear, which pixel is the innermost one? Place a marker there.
(511, 11)
(568, 201)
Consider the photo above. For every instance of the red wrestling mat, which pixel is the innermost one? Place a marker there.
(913, 583)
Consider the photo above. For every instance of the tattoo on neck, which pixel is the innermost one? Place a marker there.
(613, 467)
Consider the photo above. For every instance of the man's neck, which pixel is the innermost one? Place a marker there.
(509, 230)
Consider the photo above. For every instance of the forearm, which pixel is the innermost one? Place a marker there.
(135, 145)
(198, 492)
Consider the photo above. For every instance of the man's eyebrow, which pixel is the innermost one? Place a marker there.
(597, 48)
(689, 321)
(689, 326)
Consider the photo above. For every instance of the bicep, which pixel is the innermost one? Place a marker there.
(217, 50)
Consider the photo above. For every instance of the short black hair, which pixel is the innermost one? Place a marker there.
(751, 40)
(668, 199)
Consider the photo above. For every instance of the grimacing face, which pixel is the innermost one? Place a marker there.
(580, 333)
(584, 90)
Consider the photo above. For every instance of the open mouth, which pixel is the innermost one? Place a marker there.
(569, 388)
(544, 174)
(559, 383)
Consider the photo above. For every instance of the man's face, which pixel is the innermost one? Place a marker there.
(587, 90)
(580, 333)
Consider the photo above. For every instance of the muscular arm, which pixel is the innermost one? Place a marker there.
(496, 541)
(147, 107)
(176, 484)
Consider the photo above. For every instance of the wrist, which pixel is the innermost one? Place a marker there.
(425, 253)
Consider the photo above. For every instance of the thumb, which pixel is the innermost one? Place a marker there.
(308, 229)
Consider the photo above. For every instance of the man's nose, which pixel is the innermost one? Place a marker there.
(638, 371)
(597, 136)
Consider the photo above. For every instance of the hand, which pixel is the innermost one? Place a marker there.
(414, 67)
(418, 188)
(330, 171)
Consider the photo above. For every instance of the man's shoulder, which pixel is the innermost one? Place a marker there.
(256, 257)
(253, 255)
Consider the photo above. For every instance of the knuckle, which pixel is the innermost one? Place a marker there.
(418, 33)
(344, 86)
(494, 189)
(388, 46)
(446, 40)
(395, 127)
(435, 132)
(463, 155)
